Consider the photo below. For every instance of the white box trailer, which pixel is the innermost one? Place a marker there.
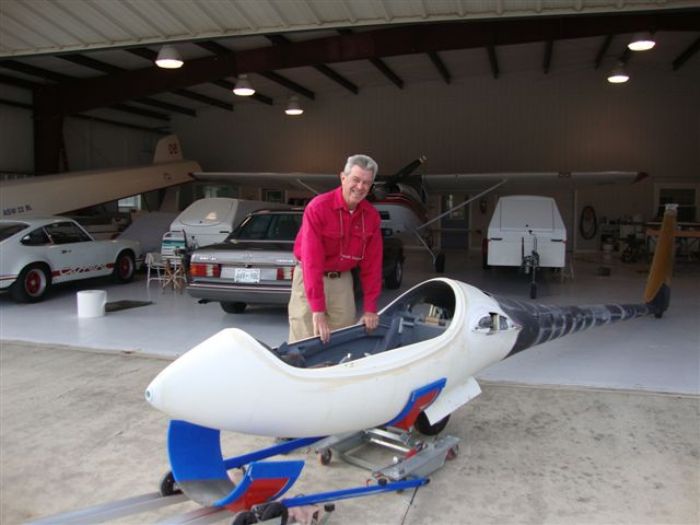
(210, 220)
(527, 231)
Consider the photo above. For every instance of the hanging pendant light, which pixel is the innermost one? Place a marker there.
(642, 42)
(293, 106)
(169, 58)
(243, 87)
(618, 75)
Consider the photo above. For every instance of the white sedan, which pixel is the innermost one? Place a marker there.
(36, 253)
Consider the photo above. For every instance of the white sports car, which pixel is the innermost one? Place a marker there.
(36, 253)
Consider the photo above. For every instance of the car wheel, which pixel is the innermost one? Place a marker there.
(124, 267)
(393, 280)
(233, 308)
(32, 284)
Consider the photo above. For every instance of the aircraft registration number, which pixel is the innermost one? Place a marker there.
(246, 275)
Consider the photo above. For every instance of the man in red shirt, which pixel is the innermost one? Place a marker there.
(340, 230)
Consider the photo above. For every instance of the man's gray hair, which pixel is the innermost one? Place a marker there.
(363, 161)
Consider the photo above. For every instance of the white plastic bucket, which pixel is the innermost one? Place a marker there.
(91, 303)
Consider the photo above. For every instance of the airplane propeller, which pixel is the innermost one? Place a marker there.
(388, 185)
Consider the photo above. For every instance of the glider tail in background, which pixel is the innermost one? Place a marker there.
(62, 193)
(544, 322)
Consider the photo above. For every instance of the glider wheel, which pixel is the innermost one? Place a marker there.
(274, 510)
(168, 485)
(424, 427)
(325, 457)
(245, 518)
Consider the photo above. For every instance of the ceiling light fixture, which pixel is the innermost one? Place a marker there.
(169, 58)
(618, 75)
(243, 87)
(293, 106)
(642, 42)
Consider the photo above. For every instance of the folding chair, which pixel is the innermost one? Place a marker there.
(154, 264)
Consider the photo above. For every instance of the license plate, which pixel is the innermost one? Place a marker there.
(246, 275)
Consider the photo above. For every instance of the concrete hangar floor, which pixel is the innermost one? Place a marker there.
(599, 427)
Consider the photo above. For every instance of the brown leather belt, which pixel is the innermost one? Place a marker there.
(333, 275)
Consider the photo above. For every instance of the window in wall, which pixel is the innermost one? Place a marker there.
(130, 203)
(273, 195)
(685, 197)
(208, 191)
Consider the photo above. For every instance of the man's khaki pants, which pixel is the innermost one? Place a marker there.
(340, 305)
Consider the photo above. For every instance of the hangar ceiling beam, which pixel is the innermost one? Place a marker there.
(377, 62)
(603, 49)
(91, 63)
(289, 84)
(336, 77)
(685, 55)
(18, 82)
(547, 62)
(40, 72)
(103, 91)
(204, 99)
(440, 66)
(140, 111)
(493, 60)
(625, 56)
(157, 131)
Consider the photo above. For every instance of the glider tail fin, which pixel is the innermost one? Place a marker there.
(657, 294)
(167, 150)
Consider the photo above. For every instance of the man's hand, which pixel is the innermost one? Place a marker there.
(321, 326)
(370, 320)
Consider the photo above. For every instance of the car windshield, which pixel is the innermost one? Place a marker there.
(268, 227)
(8, 229)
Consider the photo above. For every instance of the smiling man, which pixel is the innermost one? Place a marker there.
(340, 231)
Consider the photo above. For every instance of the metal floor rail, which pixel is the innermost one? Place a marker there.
(135, 505)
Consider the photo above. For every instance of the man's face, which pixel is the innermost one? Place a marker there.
(355, 185)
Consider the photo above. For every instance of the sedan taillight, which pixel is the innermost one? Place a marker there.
(205, 270)
(285, 274)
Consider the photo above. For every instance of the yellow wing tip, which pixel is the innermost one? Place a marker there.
(662, 264)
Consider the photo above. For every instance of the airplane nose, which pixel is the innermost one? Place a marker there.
(151, 393)
(204, 385)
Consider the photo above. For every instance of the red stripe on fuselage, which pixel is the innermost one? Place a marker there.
(420, 403)
(260, 491)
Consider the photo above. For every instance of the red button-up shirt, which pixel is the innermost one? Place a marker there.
(331, 239)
